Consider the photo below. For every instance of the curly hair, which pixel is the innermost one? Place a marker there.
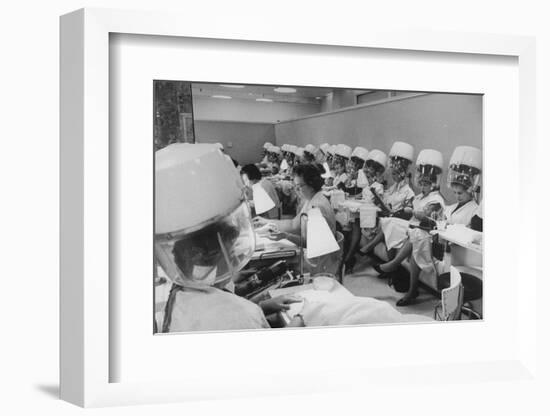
(252, 172)
(311, 174)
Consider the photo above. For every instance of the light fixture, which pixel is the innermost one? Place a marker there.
(264, 100)
(318, 98)
(225, 97)
(231, 86)
(285, 90)
(262, 201)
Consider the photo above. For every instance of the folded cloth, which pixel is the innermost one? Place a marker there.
(352, 310)
(395, 231)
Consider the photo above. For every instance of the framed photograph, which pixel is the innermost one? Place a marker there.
(139, 91)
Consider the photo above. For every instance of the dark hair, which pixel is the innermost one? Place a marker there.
(202, 247)
(460, 185)
(252, 172)
(375, 166)
(311, 174)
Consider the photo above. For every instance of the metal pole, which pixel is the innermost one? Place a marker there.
(302, 215)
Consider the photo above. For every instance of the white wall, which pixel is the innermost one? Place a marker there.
(207, 108)
(437, 121)
(242, 141)
(338, 99)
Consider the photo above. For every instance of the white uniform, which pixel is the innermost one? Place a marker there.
(420, 202)
(212, 309)
(463, 215)
(422, 240)
(397, 194)
(396, 230)
(340, 179)
(367, 195)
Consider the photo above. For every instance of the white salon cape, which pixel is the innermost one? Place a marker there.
(329, 262)
(397, 194)
(396, 230)
(272, 192)
(212, 309)
(462, 215)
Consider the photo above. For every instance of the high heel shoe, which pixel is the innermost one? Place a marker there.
(350, 264)
(377, 268)
(381, 273)
(405, 301)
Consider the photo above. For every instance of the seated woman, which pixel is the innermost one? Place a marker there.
(308, 183)
(463, 178)
(309, 154)
(329, 162)
(426, 205)
(355, 164)
(396, 201)
(203, 240)
(342, 154)
(264, 155)
(353, 187)
(274, 160)
(464, 174)
(251, 176)
(374, 168)
(465, 208)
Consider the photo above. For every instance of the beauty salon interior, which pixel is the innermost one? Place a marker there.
(288, 206)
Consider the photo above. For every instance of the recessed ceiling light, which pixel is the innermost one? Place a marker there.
(225, 97)
(285, 90)
(264, 100)
(231, 86)
(318, 98)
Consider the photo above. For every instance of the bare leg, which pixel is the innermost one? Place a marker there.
(401, 255)
(378, 238)
(355, 237)
(413, 289)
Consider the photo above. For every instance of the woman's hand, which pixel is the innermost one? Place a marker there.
(276, 236)
(278, 304)
(419, 214)
(259, 221)
(296, 322)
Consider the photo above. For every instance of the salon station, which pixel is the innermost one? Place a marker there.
(283, 206)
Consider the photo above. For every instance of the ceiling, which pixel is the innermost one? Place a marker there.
(303, 95)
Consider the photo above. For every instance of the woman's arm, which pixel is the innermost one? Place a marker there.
(293, 238)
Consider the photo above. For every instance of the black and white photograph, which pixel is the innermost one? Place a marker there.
(283, 206)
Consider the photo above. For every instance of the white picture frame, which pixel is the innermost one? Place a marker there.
(86, 264)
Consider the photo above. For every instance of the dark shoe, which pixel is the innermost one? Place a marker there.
(381, 274)
(350, 264)
(405, 301)
(377, 268)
